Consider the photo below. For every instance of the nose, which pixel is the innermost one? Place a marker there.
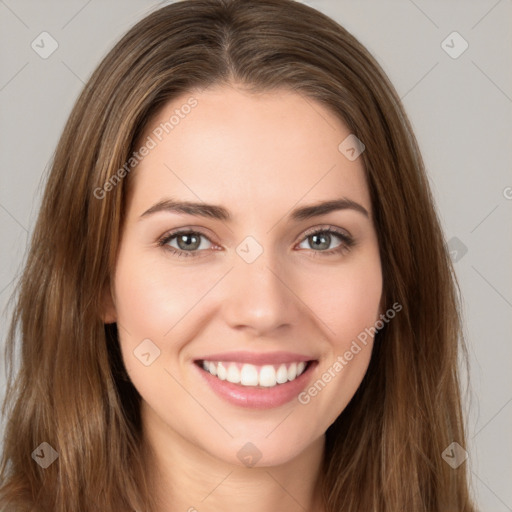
(259, 297)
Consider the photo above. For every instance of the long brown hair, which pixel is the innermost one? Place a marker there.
(384, 452)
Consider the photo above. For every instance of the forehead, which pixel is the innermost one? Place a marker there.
(268, 149)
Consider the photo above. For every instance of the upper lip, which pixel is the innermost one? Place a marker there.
(257, 358)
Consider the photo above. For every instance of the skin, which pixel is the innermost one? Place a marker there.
(259, 156)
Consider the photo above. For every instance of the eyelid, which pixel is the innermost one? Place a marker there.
(326, 227)
(347, 240)
(187, 229)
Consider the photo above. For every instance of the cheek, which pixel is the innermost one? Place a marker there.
(141, 310)
(152, 298)
(346, 301)
(159, 302)
(154, 302)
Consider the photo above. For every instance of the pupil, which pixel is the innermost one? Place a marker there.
(322, 241)
(188, 241)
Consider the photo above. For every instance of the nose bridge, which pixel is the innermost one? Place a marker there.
(256, 295)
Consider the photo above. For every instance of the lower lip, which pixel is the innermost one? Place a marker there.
(258, 397)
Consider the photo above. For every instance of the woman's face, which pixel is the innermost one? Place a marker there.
(259, 284)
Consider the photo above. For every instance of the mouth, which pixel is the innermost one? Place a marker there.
(251, 375)
(258, 386)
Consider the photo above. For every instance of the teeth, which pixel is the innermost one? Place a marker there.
(251, 375)
(212, 368)
(233, 374)
(221, 372)
(292, 371)
(282, 374)
(267, 376)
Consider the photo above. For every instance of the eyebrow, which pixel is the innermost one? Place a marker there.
(221, 213)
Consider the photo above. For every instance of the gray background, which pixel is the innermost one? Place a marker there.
(461, 111)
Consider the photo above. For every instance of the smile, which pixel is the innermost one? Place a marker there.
(253, 375)
(259, 384)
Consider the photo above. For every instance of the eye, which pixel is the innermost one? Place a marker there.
(185, 242)
(321, 240)
(188, 242)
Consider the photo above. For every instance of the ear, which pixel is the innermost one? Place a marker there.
(108, 309)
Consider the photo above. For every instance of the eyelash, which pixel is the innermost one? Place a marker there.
(347, 242)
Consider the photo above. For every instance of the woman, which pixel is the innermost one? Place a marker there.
(238, 293)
